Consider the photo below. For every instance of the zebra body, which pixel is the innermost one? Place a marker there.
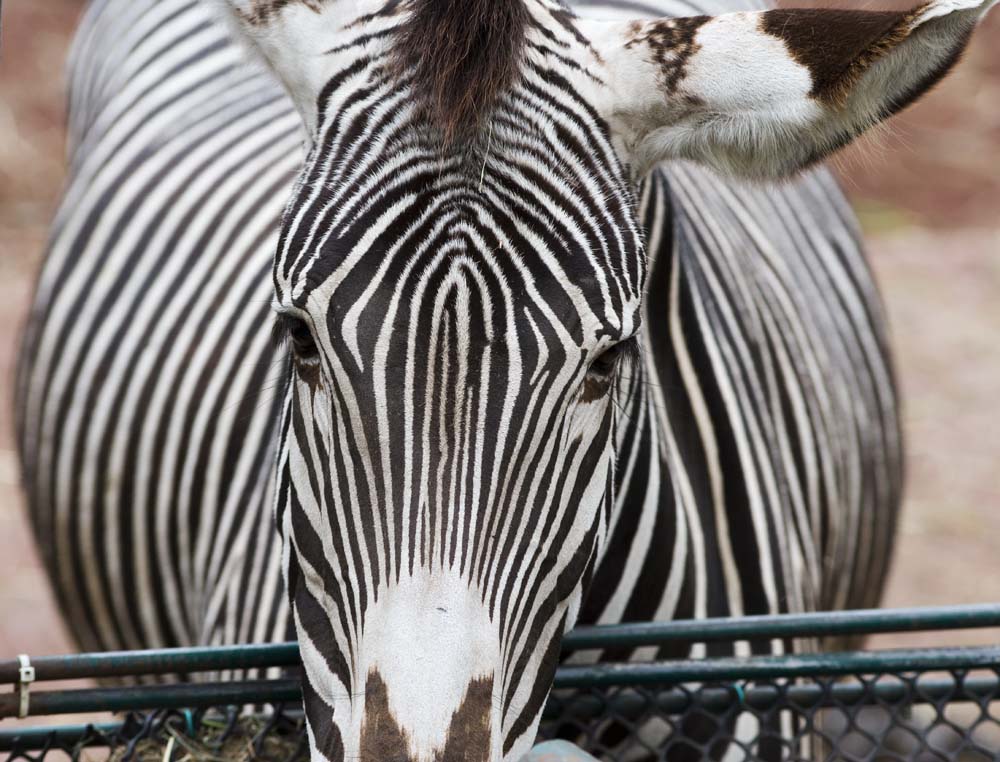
(757, 457)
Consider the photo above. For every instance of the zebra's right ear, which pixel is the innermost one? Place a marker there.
(293, 38)
(764, 95)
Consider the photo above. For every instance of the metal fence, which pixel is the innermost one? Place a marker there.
(918, 704)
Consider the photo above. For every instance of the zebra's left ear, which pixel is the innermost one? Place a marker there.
(291, 37)
(763, 95)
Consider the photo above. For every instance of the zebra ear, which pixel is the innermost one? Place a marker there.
(291, 38)
(763, 95)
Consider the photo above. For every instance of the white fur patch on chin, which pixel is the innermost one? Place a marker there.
(429, 637)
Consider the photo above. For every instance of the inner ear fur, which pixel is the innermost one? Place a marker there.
(767, 94)
(837, 46)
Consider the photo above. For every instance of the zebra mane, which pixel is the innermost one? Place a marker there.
(463, 55)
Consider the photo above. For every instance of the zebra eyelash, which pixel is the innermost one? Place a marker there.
(293, 332)
(630, 354)
(281, 334)
(624, 355)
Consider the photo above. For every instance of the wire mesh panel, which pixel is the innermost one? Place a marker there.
(917, 705)
(906, 717)
(172, 735)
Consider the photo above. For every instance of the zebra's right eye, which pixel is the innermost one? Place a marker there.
(300, 336)
(303, 343)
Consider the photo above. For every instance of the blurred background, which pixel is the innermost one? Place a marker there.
(927, 189)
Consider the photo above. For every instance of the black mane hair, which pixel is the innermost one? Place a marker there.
(463, 55)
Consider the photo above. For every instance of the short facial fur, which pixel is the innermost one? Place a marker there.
(461, 274)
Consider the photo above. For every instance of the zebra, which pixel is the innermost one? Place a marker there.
(538, 339)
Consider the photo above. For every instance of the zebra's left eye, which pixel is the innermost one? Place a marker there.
(606, 363)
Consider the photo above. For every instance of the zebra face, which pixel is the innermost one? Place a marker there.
(458, 325)
(460, 275)
(460, 316)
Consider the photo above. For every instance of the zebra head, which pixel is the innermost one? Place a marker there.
(460, 273)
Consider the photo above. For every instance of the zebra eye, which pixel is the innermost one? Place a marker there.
(606, 363)
(301, 338)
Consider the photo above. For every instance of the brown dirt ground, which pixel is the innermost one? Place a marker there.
(928, 188)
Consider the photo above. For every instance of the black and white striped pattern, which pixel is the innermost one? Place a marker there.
(461, 446)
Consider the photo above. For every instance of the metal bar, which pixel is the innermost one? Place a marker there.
(763, 698)
(630, 706)
(590, 676)
(181, 696)
(165, 661)
(191, 660)
(821, 624)
(775, 667)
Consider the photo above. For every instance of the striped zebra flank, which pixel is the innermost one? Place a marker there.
(494, 309)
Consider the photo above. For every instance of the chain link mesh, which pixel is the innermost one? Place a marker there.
(876, 718)
(215, 735)
(905, 717)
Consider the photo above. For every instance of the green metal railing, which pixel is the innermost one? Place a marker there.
(625, 690)
(782, 626)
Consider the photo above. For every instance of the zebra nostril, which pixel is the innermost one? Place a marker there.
(468, 737)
